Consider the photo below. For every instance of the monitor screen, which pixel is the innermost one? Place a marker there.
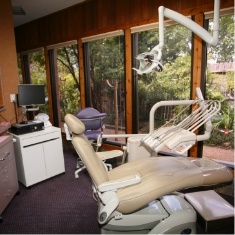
(31, 94)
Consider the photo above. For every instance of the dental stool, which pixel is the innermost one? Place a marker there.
(93, 121)
(138, 196)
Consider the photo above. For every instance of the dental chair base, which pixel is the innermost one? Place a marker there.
(170, 214)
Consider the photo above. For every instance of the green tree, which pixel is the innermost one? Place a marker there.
(68, 58)
(174, 81)
(38, 74)
(220, 86)
(172, 84)
(224, 51)
(177, 42)
(68, 73)
(37, 67)
(106, 57)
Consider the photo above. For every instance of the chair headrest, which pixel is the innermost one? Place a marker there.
(74, 124)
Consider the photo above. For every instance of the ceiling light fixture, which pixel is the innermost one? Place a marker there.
(18, 10)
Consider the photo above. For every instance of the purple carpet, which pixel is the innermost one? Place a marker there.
(60, 205)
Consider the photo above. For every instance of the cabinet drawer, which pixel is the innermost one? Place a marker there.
(40, 139)
(8, 184)
(6, 154)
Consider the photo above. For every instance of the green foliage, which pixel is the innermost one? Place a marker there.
(68, 82)
(69, 96)
(223, 52)
(225, 119)
(38, 74)
(221, 139)
(37, 67)
(68, 73)
(106, 57)
(230, 83)
(67, 58)
(223, 122)
(171, 84)
(177, 42)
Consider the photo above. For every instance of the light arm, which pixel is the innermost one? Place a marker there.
(194, 27)
(150, 61)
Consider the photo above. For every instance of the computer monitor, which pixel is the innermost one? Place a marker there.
(31, 94)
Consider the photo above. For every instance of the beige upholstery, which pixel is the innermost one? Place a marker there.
(163, 175)
(159, 175)
(79, 128)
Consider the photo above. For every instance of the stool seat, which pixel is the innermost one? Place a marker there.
(211, 206)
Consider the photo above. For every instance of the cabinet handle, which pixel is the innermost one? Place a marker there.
(5, 157)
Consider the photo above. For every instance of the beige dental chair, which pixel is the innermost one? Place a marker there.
(127, 192)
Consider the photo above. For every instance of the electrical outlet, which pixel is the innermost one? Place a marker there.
(13, 97)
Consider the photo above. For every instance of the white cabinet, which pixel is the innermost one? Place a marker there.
(39, 155)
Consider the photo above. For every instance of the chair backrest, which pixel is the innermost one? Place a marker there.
(91, 118)
(82, 145)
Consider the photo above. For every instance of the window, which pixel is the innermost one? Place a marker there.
(34, 73)
(105, 78)
(19, 62)
(38, 74)
(64, 69)
(173, 83)
(220, 86)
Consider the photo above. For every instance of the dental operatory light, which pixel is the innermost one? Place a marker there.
(149, 61)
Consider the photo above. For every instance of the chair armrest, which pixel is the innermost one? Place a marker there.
(120, 183)
(109, 154)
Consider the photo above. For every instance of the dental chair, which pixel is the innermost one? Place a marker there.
(138, 196)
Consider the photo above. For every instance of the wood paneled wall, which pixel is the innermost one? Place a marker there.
(8, 61)
(99, 16)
